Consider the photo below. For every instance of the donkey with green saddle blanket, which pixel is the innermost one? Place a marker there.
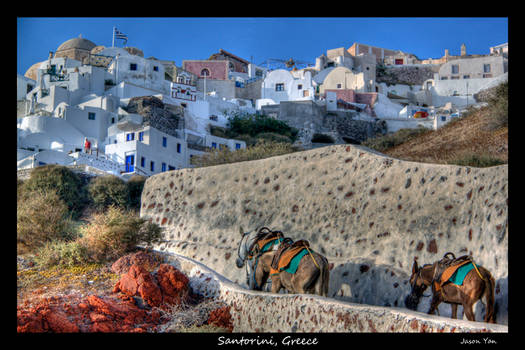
(455, 281)
(297, 269)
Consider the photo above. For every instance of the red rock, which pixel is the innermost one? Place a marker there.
(221, 317)
(59, 323)
(173, 284)
(143, 259)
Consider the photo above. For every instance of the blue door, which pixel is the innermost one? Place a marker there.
(130, 162)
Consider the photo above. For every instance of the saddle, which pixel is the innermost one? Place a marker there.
(266, 236)
(286, 253)
(446, 267)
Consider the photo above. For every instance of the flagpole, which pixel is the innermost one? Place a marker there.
(113, 42)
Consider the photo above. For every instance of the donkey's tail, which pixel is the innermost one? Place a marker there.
(489, 297)
(321, 287)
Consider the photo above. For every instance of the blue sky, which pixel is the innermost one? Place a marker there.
(260, 38)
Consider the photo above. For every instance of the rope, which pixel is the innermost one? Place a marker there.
(315, 262)
(483, 278)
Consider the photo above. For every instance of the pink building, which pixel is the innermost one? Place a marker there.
(212, 69)
(348, 95)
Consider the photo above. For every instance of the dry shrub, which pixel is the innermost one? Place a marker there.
(57, 178)
(42, 217)
(62, 253)
(115, 232)
(261, 150)
(109, 190)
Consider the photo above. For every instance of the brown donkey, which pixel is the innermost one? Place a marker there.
(474, 288)
(312, 275)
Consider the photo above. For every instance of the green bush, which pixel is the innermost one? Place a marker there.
(135, 187)
(255, 124)
(115, 232)
(64, 182)
(42, 217)
(477, 160)
(62, 253)
(108, 190)
(383, 143)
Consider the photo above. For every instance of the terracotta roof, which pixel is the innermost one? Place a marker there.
(233, 56)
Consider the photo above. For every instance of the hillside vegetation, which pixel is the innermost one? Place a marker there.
(479, 138)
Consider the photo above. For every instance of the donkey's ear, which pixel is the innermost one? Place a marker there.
(241, 231)
(414, 265)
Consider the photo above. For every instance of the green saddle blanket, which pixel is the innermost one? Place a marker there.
(459, 275)
(270, 244)
(294, 263)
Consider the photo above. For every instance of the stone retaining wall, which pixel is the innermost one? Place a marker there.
(266, 312)
(369, 214)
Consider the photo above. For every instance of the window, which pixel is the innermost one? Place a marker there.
(213, 145)
(443, 118)
(141, 136)
(237, 146)
(132, 66)
(466, 76)
(142, 162)
(205, 72)
(171, 167)
(29, 88)
(152, 166)
(130, 136)
(178, 147)
(164, 141)
(455, 69)
(454, 78)
(163, 166)
(306, 93)
(444, 78)
(486, 68)
(279, 87)
(113, 120)
(91, 116)
(300, 87)
(338, 86)
(156, 68)
(487, 75)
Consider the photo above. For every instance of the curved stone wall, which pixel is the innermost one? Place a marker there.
(253, 311)
(367, 213)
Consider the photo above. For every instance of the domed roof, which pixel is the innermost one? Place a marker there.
(31, 73)
(77, 43)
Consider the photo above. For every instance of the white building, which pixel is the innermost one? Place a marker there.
(282, 85)
(72, 100)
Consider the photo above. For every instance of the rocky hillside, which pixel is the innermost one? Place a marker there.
(370, 214)
(471, 136)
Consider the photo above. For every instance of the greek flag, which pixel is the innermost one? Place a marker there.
(117, 34)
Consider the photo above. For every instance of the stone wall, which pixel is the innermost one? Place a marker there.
(409, 75)
(164, 117)
(253, 311)
(310, 118)
(368, 213)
